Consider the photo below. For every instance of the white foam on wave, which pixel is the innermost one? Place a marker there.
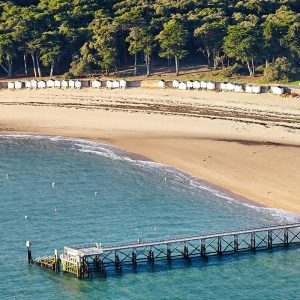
(165, 171)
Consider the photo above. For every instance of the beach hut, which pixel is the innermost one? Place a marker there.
(230, 86)
(223, 86)
(277, 90)
(211, 85)
(57, 84)
(175, 83)
(203, 85)
(28, 84)
(123, 84)
(182, 86)
(162, 84)
(109, 84)
(78, 84)
(238, 88)
(11, 85)
(19, 85)
(256, 89)
(64, 84)
(50, 83)
(72, 84)
(96, 84)
(41, 84)
(33, 84)
(116, 84)
(189, 84)
(248, 88)
(196, 85)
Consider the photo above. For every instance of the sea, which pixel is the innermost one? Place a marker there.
(57, 192)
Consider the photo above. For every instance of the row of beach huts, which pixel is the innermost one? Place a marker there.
(224, 86)
(65, 84)
(181, 85)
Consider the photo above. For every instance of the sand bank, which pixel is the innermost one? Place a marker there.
(249, 144)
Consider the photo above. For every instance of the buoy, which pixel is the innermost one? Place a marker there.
(6, 176)
(165, 179)
(96, 194)
(26, 217)
(55, 209)
(53, 184)
(154, 228)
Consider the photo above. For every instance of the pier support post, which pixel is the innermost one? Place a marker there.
(203, 248)
(270, 239)
(219, 251)
(56, 261)
(169, 254)
(286, 237)
(185, 252)
(117, 262)
(252, 242)
(29, 255)
(151, 256)
(133, 258)
(236, 243)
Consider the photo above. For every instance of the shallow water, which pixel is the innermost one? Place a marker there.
(100, 195)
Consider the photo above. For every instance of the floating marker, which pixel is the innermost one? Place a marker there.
(96, 194)
(6, 176)
(53, 184)
(25, 217)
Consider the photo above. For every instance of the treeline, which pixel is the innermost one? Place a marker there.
(86, 36)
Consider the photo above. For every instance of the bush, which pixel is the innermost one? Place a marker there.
(279, 71)
(232, 71)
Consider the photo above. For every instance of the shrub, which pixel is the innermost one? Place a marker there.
(279, 71)
(228, 72)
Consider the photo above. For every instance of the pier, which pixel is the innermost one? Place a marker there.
(84, 261)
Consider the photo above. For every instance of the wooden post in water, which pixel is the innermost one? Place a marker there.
(56, 261)
(29, 256)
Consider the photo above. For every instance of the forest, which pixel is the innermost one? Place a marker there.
(85, 37)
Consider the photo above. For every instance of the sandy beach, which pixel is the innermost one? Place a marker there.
(248, 144)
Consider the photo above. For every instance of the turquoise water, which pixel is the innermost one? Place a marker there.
(100, 195)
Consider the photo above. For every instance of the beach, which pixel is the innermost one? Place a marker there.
(247, 144)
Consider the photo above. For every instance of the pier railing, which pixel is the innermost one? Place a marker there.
(84, 260)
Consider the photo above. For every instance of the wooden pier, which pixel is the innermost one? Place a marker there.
(85, 260)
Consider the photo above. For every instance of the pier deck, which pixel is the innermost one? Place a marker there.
(87, 259)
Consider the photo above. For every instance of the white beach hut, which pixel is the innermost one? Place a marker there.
(72, 84)
(211, 85)
(175, 83)
(238, 88)
(57, 84)
(41, 84)
(109, 84)
(223, 86)
(196, 85)
(230, 86)
(11, 85)
(248, 88)
(189, 84)
(78, 84)
(256, 89)
(123, 84)
(162, 84)
(116, 84)
(277, 90)
(19, 85)
(64, 84)
(50, 83)
(96, 84)
(203, 84)
(182, 86)
(33, 84)
(28, 84)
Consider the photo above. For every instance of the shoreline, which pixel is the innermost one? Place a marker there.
(259, 162)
